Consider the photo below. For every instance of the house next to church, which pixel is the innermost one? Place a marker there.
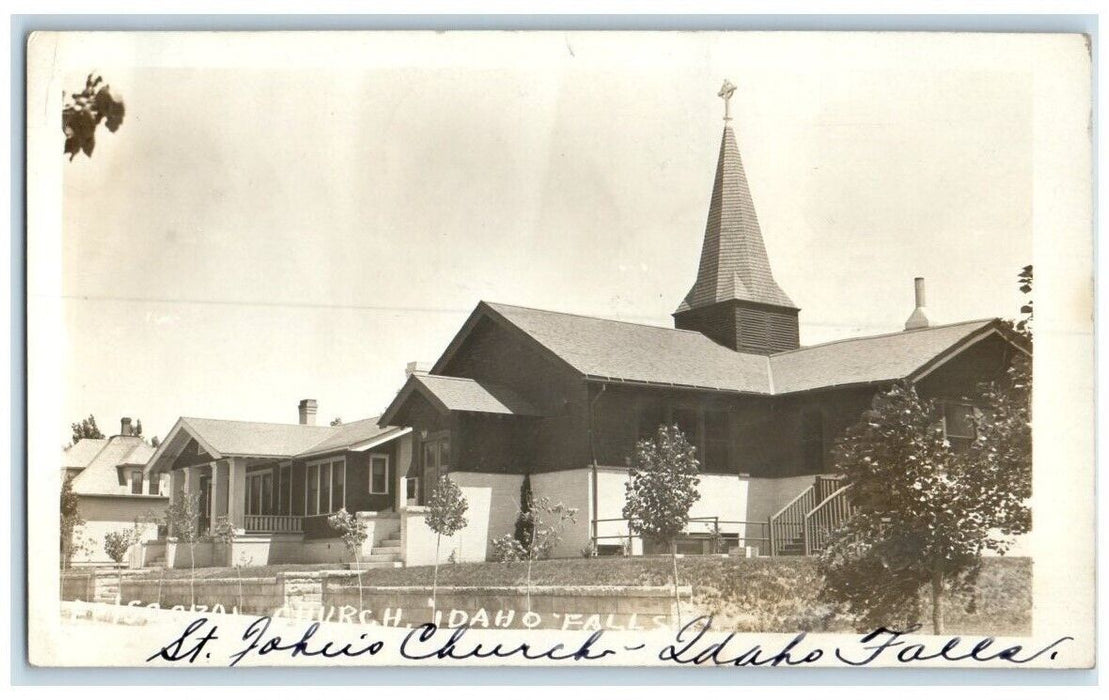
(562, 399)
(113, 491)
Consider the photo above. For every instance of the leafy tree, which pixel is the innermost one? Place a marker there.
(86, 429)
(545, 521)
(84, 111)
(183, 519)
(926, 511)
(446, 515)
(352, 531)
(71, 521)
(661, 488)
(116, 545)
(1024, 281)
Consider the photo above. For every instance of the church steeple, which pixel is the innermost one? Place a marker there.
(735, 300)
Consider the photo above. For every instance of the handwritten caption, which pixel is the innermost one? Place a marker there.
(695, 644)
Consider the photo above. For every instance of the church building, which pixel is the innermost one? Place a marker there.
(563, 398)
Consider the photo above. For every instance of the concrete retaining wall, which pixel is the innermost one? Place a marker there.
(551, 607)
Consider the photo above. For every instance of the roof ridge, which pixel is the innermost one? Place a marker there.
(495, 304)
(886, 335)
(259, 422)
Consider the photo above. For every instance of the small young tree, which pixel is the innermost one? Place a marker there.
(661, 488)
(183, 519)
(352, 531)
(446, 515)
(224, 534)
(545, 521)
(116, 545)
(71, 521)
(925, 511)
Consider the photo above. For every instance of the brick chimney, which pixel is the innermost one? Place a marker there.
(125, 427)
(307, 411)
(919, 317)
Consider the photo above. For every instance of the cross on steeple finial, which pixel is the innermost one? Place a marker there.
(726, 92)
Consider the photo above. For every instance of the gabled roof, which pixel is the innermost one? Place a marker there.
(354, 435)
(734, 264)
(449, 394)
(231, 438)
(247, 438)
(870, 359)
(101, 474)
(602, 349)
(79, 454)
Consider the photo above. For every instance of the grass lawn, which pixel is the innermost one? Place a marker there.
(768, 594)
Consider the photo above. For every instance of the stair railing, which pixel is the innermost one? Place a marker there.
(825, 518)
(788, 524)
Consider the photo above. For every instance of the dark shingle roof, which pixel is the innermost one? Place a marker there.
(862, 360)
(734, 264)
(632, 352)
(602, 348)
(459, 394)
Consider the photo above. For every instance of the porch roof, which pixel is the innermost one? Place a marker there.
(449, 394)
(229, 438)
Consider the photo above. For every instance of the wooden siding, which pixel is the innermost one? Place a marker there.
(495, 354)
(744, 326)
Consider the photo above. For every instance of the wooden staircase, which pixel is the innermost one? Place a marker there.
(804, 525)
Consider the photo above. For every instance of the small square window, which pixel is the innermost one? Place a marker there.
(958, 421)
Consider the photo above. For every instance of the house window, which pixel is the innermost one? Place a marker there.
(136, 481)
(154, 487)
(379, 474)
(284, 489)
(325, 490)
(958, 423)
(312, 487)
(259, 493)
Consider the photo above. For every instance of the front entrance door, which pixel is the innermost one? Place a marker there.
(437, 459)
(205, 503)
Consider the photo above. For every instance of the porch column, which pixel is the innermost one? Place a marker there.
(176, 484)
(236, 493)
(213, 496)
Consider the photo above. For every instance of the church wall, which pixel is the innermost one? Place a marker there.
(495, 354)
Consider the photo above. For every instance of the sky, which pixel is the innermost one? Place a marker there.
(297, 217)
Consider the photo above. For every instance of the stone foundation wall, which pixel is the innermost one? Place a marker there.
(507, 607)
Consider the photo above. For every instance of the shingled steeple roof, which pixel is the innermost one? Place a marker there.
(734, 264)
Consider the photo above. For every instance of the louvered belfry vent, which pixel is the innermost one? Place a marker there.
(735, 300)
